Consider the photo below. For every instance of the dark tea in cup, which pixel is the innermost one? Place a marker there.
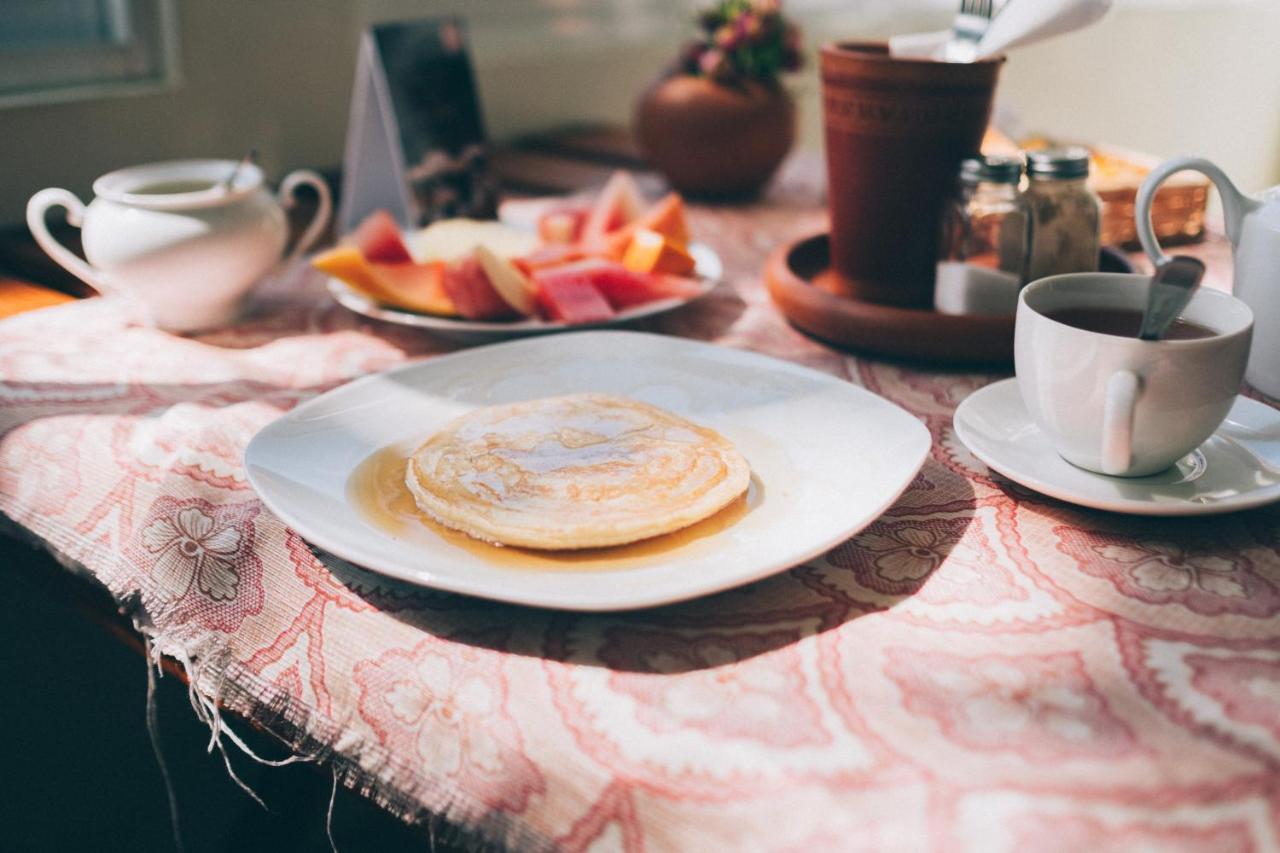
(1124, 323)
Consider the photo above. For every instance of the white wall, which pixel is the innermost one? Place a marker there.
(1166, 76)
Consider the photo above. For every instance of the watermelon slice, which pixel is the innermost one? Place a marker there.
(378, 239)
(548, 256)
(618, 204)
(472, 292)
(563, 224)
(623, 288)
(566, 293)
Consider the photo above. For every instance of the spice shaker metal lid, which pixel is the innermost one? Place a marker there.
(1058, 164)
(994, 168)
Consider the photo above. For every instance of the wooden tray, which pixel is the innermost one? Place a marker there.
(794, 273)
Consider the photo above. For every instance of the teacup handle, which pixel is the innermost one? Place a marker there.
(36, 209)
(288, 189)
(1117, 421)
(1235, 205)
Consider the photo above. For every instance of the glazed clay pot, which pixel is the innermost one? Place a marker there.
(714, 140)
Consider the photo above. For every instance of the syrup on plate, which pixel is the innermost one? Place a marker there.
(376, 488)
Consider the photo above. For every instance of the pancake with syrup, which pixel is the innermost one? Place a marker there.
(578, 471)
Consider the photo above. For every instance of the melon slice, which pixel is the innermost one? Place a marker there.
(472, 292)
(666, 217)
(378, 239)
(618, 204)
(418, 287)
(650, 251)
(453, 239)
(347, 264)
(513, 286)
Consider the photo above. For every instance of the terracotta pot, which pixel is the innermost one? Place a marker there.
(896, 131)
(714, 140)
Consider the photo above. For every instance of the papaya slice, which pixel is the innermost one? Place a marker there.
(652, 252)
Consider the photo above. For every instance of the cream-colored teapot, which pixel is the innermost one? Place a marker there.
(1253, 226)
(175, 238)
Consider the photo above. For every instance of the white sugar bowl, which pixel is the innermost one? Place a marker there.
(175, 238)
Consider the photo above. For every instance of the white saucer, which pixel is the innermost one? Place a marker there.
(1237, 468)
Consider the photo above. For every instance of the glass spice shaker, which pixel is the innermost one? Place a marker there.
(987, 225)
(985, 240)
(1065, 213)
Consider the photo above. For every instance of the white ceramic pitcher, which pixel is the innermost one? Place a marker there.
(1253, 226)
(172, 237)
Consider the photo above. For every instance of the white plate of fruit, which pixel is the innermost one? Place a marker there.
(580, 264)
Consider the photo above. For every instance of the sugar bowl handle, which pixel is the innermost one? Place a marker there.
(286, 197)
(1235, 204)
(74, 264)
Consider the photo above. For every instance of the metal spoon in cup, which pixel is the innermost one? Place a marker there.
(1169, 293)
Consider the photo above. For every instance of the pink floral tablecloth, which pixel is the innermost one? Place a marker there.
(982, 668)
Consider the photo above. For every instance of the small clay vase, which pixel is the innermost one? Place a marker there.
(715, 140)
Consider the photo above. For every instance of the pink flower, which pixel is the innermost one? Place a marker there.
(712, 62)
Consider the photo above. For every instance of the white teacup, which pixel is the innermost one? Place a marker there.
(170, 236)
(1119, 405)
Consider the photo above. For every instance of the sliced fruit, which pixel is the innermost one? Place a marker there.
(378, 239)
(625, 288)
(666, 217)
(452, 239)
(513, 286)
(347, 264)
(549, 256)
(618, 204)
(563, 224)
(621, 288)
(473, 294)
(650, 251)
(565, 293)
(418, 287)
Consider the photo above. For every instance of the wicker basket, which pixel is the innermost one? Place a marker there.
(1177, 212)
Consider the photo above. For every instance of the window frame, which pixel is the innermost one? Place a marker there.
(147, 65)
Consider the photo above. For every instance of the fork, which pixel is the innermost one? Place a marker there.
(969, 28)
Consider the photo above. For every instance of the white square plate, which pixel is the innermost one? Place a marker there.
(827, 457)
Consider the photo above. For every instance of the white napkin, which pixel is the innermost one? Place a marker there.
(1018, 22)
